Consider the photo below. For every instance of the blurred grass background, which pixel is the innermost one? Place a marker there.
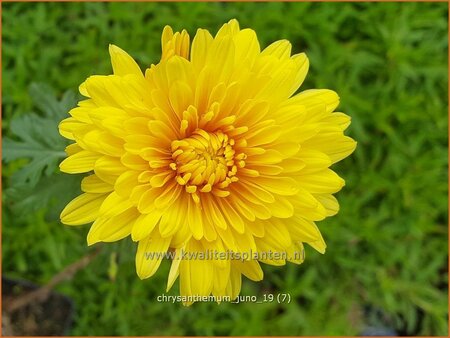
(386, 262)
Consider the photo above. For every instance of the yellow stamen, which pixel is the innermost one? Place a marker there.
(206, 162)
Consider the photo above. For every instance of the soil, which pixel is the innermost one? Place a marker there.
(51, 317)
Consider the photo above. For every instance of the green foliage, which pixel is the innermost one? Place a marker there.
(37, 144)
(38, 137)
(386, 262)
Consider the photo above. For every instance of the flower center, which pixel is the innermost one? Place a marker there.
(205, 162)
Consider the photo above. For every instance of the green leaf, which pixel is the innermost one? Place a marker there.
(45, 100)
(53, 192)
(36, 138)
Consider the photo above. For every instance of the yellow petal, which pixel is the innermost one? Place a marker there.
(196, 275)
(234, 284)
(247, 47)
(145, 224)
(80, 162)
(68, 126)
(296, 253)
(280, 49)
(234, 219)
(137, 143)
(147, 265)
(277, 234)
(93, 184)
(336, 146)
(244, 243)
(160, 179)
(200, 48)
(112, 229)
(227, 238)
(114, 205)
(250, 269)
(174, 270)
(82, 112)
(241, 207)
(123, 63)
(134, 162)
(278, 185)
(269, 254)
(321, 182)
(181, 97)
(319, 245)
(282, 208)
(251, 112)
(221, 279)
(82, 90)
(110, 118)
(330, 204)
(308, 206)
(340, 119)
(83, 209)
(170, 221)
(104, 143)
(109, 165)
(286, 79)
(303, 230)
(313, 97)
(263, 135)
(108, 169)
(174, 44)
(229, 29)
(256, 229)
(183, 234)
(72, 149)
(96, 88)
(166, 35)
(126, 182)
(253, 192)
(195, 219)
(221, 58)
(313, 160)
(147, 197)
(266, 169)
(169, 196)
(212, 212)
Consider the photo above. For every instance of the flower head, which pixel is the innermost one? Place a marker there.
(208, 151)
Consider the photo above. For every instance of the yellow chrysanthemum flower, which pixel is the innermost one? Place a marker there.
(208, 151)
